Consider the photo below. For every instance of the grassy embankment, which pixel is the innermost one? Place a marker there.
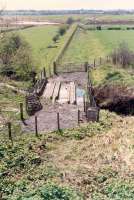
(110, 74)
(89, 162)
(44, 50)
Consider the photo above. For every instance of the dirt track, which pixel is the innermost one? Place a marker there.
(47, 117)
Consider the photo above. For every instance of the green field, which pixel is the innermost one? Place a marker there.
(55, 18)
(110, 74)
(44, 50)
(87, 45)
(40, 38)
(116, 17)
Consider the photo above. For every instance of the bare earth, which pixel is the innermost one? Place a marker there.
(47, 117)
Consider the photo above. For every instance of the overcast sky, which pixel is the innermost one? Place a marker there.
(68, 4)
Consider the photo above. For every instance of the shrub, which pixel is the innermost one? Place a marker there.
(62, 30)
(52, 192)
(114, 28)
(55, 38)
(123, 55)
(70, 21)
(16, 60)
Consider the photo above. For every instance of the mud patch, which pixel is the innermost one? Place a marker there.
(119, 99)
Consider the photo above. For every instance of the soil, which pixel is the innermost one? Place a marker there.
(119, 99)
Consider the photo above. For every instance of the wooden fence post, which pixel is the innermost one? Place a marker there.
(54, 67)
(58, 121)
(86, 66)
(10, 132)
(100, 60)
(84, 103)
(94, 63)
(21, 111)
(107, 59)
(36, 126)
(78, 117)
(98, 117)
(44, 72)
(41, 75)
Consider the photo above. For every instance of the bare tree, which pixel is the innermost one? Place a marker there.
(123, 55)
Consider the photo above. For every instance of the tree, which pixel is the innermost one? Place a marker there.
(15, 57)
(70, 20)
(62, 30)
(55, 38)
(123, 55)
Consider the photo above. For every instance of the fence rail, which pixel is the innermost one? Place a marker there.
(70, 67)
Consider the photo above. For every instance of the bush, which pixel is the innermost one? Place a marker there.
(55, 38)
(52, 192)
(114, 28)
(16, 60)
(123, 55)
(62, 30)
(70, 21)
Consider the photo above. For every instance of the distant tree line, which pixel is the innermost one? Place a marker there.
(63, 12)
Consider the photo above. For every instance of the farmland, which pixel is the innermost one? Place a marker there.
(93, 44)
(43, 48)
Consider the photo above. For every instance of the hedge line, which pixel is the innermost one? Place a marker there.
(106, 28)
(66, 44)
(16, 29)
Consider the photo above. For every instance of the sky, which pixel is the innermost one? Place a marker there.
(67, 4)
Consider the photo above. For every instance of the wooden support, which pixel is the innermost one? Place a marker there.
(36, 127)
(98, 117)
(88, 75)
(100, 60)
(86, 66)
(84, 103)
(107, 59)
(10, 132)
(94, 63)
(54, 68)
(44, 72)
(41, 75)
(21, 111)
(78, 117)
(58, 121)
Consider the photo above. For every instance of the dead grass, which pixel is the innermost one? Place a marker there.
(111, 152)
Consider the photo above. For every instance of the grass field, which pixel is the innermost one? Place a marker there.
(54, 18)
(87, 45)
(109, 75)
(44, 50)
(39, 39)
(116, 17)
